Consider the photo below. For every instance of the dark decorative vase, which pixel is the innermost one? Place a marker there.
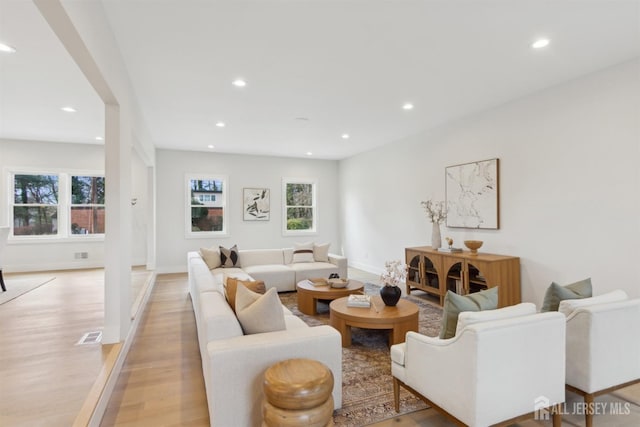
(390, 295)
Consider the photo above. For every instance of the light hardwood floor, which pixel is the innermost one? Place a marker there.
(45, 377)
(161, 382)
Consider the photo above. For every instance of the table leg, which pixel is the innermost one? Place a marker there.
(341, 326)
(346, 335)
(307, 304)
(399, 332)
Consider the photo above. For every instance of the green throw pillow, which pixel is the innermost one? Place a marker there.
(454, 304)
(556, 293)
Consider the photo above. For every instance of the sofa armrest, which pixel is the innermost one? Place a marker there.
(340, 262)
(236, 368)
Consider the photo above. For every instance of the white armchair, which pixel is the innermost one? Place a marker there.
(603, 345)
(490, 372)
(4, 234)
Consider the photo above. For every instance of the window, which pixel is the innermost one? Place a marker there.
(57, 205)
(300, 212)
(35, 205)
(87, 205)
(207, 199)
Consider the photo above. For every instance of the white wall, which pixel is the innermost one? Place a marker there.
(139, 220)
(242, 171)
(54, 156)
(569, 185)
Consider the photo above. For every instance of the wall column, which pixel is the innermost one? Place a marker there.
(117, 242)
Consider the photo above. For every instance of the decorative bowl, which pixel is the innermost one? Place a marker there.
(473, 245)
(338, 283)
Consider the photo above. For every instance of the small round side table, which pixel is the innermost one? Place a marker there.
(297, 392)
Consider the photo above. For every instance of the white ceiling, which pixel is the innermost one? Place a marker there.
(346, 66)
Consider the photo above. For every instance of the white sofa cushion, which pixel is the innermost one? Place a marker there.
(259, 313)
(277, 276)
(568, 306)
(219, 321)
(219, 274)
(309, 270)
(467, 318)
(252, 257)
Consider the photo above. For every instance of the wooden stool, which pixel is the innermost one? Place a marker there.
(297, 392)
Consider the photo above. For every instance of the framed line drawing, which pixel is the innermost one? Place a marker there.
(472, 195)
(256, 204)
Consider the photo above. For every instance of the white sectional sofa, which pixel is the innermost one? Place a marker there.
(233, 364)
(275, 267)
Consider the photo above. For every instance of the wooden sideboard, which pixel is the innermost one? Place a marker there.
(436, 272)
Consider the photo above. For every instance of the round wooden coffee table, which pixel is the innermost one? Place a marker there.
(308, 295)
(399, 319)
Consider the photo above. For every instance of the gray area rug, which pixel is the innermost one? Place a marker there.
(367, 388)
(18, 287)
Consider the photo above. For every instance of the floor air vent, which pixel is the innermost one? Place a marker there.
(90, 338)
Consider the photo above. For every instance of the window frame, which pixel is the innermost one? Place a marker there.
(189, 233)
(314, 206)
(64, 204)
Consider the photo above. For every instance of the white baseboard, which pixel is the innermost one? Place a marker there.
(52, 266)
(29, 268)
(366, 267)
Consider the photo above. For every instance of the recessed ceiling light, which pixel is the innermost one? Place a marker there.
(68, 109)
(6, 48)
(345, 136)
(239, 83)
(309, 153)
(540, 43)
(407, 106)
(220, 124)
(99, 138)
(211, 147)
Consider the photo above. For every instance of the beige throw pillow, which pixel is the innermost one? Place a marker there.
(321, 252)
(303, 252)
(259, 313)
(231, 288)
(211, 257)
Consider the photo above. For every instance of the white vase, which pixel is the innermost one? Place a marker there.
(436, 240)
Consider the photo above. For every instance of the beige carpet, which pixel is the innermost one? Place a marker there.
(367, 388)
(17, 287)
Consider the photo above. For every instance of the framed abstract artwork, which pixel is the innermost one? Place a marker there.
(256, 204)
(472, 195)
